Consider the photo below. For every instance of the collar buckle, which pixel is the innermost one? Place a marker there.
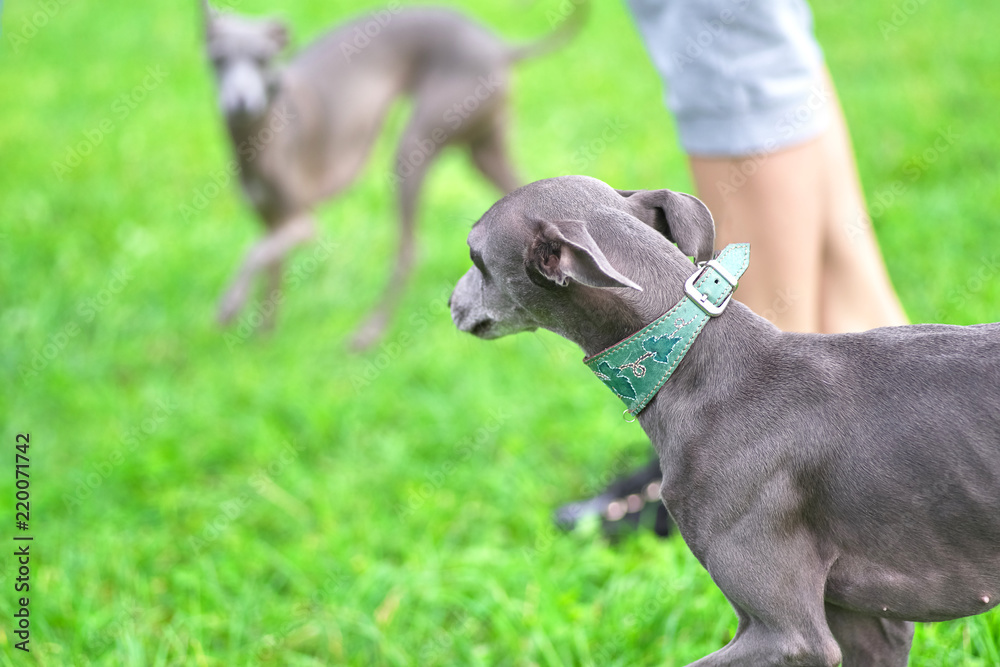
(637, 367)
(701, 299)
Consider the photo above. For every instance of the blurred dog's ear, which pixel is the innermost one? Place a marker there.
(564, 249)
(680, 217)
(277, 32)
(208, 14)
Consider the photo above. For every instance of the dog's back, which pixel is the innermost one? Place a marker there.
(364, 66)
(411, 39)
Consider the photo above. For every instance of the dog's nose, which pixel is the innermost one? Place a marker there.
(238, 108)
(242, 108)
(481, 329)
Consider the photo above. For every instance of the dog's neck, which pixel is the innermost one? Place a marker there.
(252, 135)
(613, 315)
(727, 349)
(249, 135)
(726, 343)
(636, 367)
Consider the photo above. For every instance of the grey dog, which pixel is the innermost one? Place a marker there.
(836, 487)
(302, 132)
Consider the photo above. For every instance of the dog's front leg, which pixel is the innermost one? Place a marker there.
(271, 295)
(869, 641)
(774, 578)
(267, 252)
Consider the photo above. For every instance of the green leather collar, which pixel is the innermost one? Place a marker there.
(638, 366)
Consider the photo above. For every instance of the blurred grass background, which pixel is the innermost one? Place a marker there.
(212, 498)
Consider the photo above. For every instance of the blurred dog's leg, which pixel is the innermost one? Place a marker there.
(272, 295)
(267, 252)
(414, 156)
(490, 155)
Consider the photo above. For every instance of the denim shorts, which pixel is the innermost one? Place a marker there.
(743, 77)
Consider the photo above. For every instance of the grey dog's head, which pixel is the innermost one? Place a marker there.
(243, 52)
(577, 257)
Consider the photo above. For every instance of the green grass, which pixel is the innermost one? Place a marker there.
(219, 500)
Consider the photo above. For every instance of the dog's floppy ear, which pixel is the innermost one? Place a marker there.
(208, 14)
(278, 33)
(564, 249)
(680, 217)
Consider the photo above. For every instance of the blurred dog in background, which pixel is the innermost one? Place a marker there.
(303, 130)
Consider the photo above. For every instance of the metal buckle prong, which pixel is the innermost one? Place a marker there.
(701, 300)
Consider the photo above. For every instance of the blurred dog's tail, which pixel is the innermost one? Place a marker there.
(568, 18)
